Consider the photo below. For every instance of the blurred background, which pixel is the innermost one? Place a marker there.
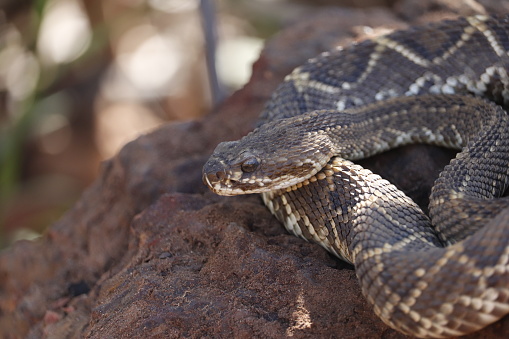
(79, 79)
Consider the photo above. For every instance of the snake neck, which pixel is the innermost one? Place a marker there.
(334, 208)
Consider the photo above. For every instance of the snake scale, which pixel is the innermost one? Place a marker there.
(444, 84)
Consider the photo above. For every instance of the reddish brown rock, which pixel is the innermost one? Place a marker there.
(149, 252)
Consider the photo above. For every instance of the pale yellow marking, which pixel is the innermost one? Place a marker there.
(387, 42)
(478, 23)
(420, 272)
(373, 59)
(446, 308)
(467, 34)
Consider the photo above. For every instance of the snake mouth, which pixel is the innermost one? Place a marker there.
(221, 184)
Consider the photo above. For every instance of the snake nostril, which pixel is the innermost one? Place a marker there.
(212, 177)
(221, 175)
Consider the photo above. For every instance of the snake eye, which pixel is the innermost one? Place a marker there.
(249, 165)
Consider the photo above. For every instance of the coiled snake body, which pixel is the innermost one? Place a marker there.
(443, 84)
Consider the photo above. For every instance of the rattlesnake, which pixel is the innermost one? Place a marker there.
(428, 84)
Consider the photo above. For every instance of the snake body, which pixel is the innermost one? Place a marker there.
(444, 84)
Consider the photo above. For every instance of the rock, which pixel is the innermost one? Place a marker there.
(232, 272)
(150, 252)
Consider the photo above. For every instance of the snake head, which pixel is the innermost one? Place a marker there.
(273, 156)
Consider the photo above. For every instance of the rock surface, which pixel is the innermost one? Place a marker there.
(149, 252)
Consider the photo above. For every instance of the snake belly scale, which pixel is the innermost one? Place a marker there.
(445, 84)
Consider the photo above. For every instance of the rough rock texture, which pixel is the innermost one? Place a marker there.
(149, 252)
